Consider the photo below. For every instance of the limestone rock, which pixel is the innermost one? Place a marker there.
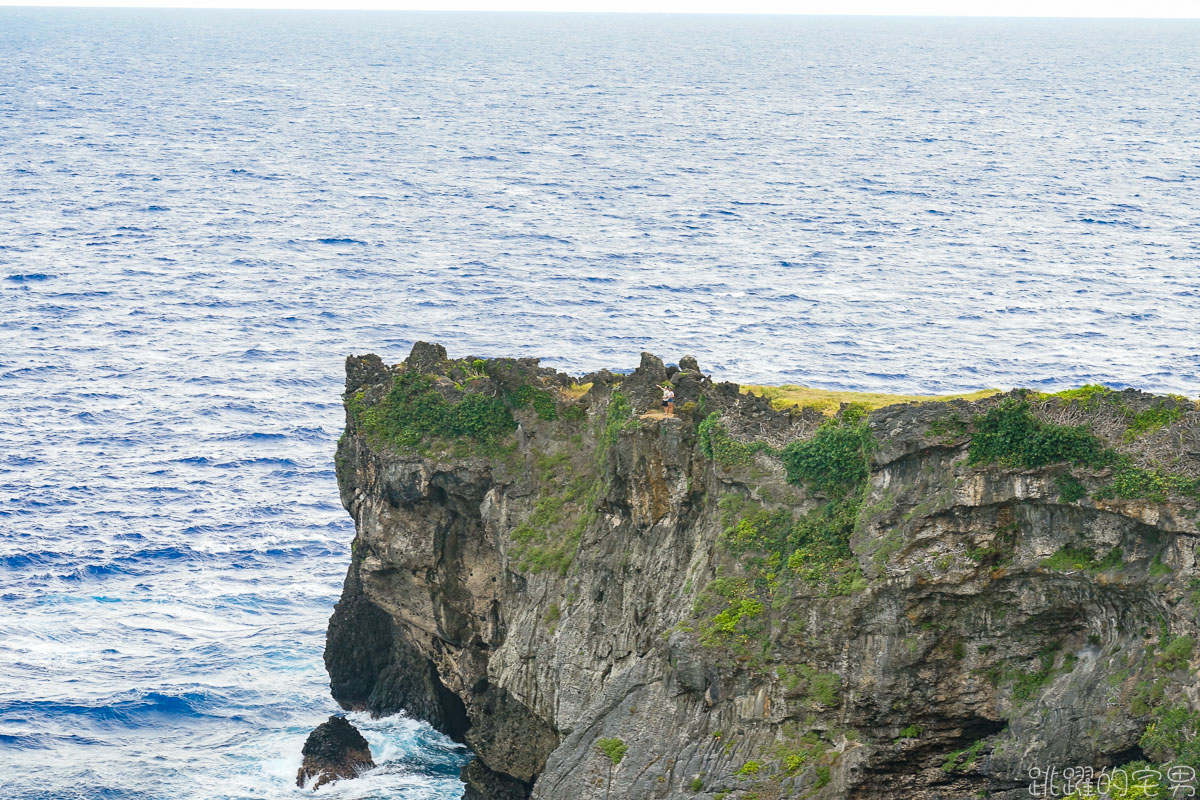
(578, 603)
(335, 750)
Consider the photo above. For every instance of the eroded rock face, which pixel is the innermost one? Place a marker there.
(595, 604)
(335, 750)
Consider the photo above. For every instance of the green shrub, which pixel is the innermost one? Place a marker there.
(1151, 419)
(414, 411)
(1172, 736)
(1078, 558)
(1130, 482)
(911, 732)
(1088, 396)
(729, 619)
(825, 688)
(613, 748)
(697, 784)
(1070, 489)
(1177, 654)
(823, 535)
(1010, 434)
(835, 460)
(814, 548)
(749, 768)
(618, 417)
(1028, 684)
(541, 400)
(738, 616)
(963, 760)
(717, 444)
(549, 538)
(794, 754)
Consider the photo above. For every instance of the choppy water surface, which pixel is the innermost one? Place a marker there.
(204, 212)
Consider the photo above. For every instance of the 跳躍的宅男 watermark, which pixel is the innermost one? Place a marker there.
(1167, 781)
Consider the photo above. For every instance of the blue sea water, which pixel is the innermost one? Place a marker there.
(204, 212)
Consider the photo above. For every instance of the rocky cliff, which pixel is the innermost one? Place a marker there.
(921, 601)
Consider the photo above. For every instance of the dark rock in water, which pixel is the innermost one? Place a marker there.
(333, 751)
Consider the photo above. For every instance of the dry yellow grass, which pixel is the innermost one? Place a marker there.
(827, 401)
(576, 390)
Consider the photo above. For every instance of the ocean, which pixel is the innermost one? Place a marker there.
(204, 212)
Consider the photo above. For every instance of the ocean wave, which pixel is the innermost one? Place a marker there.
(129, 709)
(172, 395)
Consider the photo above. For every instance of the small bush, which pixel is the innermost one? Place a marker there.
(739, 616)
(1009, 434)
(749, 768)
(963, 760)
(1078, 558)
(1088, 396)
(825, 688)
(613, 748)
(1130, 482)
(1028, 684)
(1172, 736)
(794, 754)
(619, 417)
(814, 548)
(835, 460)
(541, 400)
(1151, 419)
(1177, 654)
(729, 619)
(717, 444)
(1070, 490)
(414, 411)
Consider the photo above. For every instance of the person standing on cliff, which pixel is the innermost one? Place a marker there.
(668, 399)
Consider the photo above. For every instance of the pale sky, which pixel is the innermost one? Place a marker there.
(1016, 8)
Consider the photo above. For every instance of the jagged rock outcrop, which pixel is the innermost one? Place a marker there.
(335, 750)
(927, 601)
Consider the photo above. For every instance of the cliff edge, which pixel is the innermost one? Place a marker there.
(929, 600)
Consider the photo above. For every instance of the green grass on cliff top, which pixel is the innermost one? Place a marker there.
(827, 401)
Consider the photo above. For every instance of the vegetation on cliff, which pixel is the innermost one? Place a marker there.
(829, 401)
(414, 412)
(740, 602)
(420, 409)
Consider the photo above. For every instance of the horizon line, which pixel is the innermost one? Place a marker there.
(343, 8)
